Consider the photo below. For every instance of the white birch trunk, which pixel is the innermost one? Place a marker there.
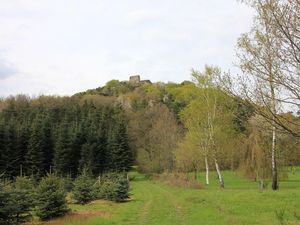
(219, 174)
(274, 166)
(273, 111)
(207, 171)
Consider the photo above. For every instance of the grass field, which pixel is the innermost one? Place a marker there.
(153, 202)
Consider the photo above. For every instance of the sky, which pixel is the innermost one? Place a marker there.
(61, 47)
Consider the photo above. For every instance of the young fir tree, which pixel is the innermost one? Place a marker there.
(13, 162)
(23, 199)
(49, 147)
(9, 157)
(78, 139)
(23, 134)
(50, 198)
(15, 204)
(3, 149)
(99, 153)
(6, 205)
(63, 149)
(83, 188)
(87, 160)
(113, 187)
(121, 189)
(34, 158)
(120, 154)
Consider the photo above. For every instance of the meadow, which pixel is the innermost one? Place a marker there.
(156, 203)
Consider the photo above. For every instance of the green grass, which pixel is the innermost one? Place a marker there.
(155, 203)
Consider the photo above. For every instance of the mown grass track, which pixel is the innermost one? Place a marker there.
(155, 203)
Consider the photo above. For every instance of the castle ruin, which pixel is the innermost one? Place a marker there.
(136, 79)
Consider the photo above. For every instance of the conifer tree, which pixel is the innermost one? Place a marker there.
(9, 158)
(99, 153)
(120, 154)
(50, 198)
(23, 134)
(23, 199)
(78, 139)
(13, 156)
(35, 155)
(6, 205)
(121, 189)
(49, 147)
(87, 156)
(83, 188)
(63, 148)
(3, 153)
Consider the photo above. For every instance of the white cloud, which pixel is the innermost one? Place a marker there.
(7, 69)
(62, 47)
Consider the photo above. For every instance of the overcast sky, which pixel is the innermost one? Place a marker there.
(66, 46)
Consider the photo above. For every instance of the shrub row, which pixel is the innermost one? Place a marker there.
(47, 198)
(19, 199)
(110, 186)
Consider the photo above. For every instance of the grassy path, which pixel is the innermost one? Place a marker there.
(151, 204)
(161, 207)
(145, 211)
(155, 203)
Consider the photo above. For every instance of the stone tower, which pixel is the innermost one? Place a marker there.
(135, 79)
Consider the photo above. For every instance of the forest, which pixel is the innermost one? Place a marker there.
(93, 144)
(159, 127)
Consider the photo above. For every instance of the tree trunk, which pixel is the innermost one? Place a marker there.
(195, 173)
(262, 184)
(273, 110)
(219, 174)
(274, 166)
(207, 171)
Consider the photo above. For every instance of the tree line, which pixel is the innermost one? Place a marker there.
(62, 134)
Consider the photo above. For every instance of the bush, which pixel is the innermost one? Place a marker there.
(179, 180)
(23, 197)
(83, 189)
(6, 204)
(50, 198)
(16, 202)
(121, 189)
(113, 186)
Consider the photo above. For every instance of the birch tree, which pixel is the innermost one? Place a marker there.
(258, 58)
(272, 50)
(205, 81)
(205, 118)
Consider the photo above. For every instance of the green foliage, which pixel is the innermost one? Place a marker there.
(179, 95)
(121, 189)
(112, 186)
(154, 134)
(24, 198)
(35, 156)
(9, 152)
(119, 149)
(50, 198)
(63, 134)
(6, 204)
(83, 188)
(115, 88)
(16, 202)
(87, 156)
(63, 150)
(3, 149)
